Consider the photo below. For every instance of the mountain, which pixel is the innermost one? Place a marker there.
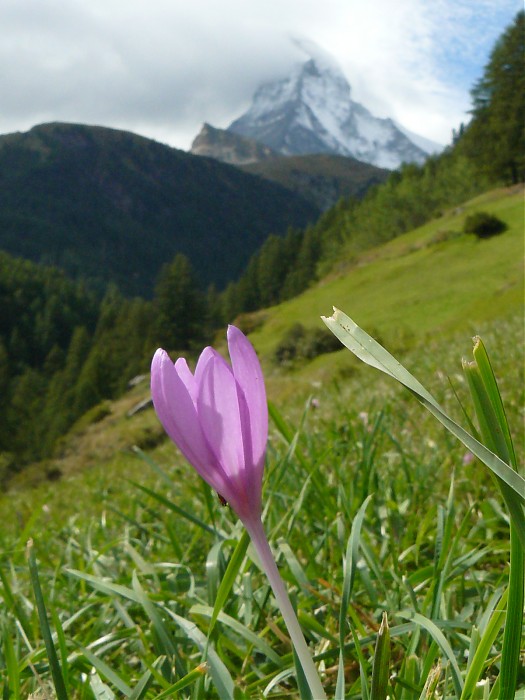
(311, 111)
(229, 147)
(110, 206)
(321, 178)
(428, 145)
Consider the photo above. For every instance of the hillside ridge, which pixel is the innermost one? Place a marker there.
(110, 206)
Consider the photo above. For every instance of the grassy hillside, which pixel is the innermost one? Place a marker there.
(434, 279)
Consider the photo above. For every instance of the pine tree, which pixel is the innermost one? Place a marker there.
(26, 405)
(495, 138)
(4, 394)
(179, 304)
(59, 413)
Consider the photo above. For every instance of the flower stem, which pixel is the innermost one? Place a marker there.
(262, 547)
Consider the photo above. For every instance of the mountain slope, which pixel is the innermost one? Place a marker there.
(432, 280)
(229, 147)
(320, 178)
(110, 206)
(311, 111)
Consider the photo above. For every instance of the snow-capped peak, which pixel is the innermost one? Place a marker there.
(311, 111)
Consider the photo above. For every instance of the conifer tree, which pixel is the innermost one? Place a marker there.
(4, 393)
(179, 304)
(495, 138)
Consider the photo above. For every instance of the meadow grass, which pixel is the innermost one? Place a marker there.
(130, 582)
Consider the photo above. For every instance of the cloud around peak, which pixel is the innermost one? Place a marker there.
(164, 67)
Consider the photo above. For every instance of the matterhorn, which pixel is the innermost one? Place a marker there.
(311, 110)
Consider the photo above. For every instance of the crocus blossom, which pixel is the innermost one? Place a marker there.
(218, 417)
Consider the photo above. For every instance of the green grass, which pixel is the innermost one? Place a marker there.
(417, 285)
(129, 547)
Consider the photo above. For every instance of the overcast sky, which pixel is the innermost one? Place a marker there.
(161, 68)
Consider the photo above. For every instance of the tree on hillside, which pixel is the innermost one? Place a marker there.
(179, 304)
(495, 138)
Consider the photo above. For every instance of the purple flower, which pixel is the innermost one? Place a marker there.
(218, 418)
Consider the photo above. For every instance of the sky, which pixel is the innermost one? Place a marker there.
(161, 68)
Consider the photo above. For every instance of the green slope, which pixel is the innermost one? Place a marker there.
(431, 280)
(319, 177)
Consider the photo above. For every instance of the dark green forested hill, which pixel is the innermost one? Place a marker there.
(320, 177)
(111, 206)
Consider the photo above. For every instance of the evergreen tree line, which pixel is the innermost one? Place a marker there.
(63, 350)
(495, 137)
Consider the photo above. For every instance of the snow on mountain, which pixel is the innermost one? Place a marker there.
(312, 111)
(427, 145)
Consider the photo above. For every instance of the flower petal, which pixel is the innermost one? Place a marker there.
(248, 373)
(187, 378)
(203, 360)
(218, 409)
(177, 413)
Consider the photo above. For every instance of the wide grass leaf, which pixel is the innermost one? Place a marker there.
(220, 675)
(56, 670)
(381, 663)
(443, 644)
(496, 435)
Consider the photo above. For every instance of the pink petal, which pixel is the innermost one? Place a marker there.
(203, 360)
(218, 409)
(178, 415)
(248, 373)
(187, 378)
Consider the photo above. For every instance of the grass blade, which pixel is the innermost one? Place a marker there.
(496, 435)
(477, 664)
(12, 603)
(381, 663)
(220, 675)
(62, 646)
(229, 577)
(54, 664)
(350, 568)
(443, 644)
(363, 664)
(165, 641)
(431, 683)
(183, 682)
(108, 673)
(106, 587)
(12, 678)
(251, 637)
(177, 509)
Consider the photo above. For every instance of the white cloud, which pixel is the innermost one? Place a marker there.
(163, 67)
